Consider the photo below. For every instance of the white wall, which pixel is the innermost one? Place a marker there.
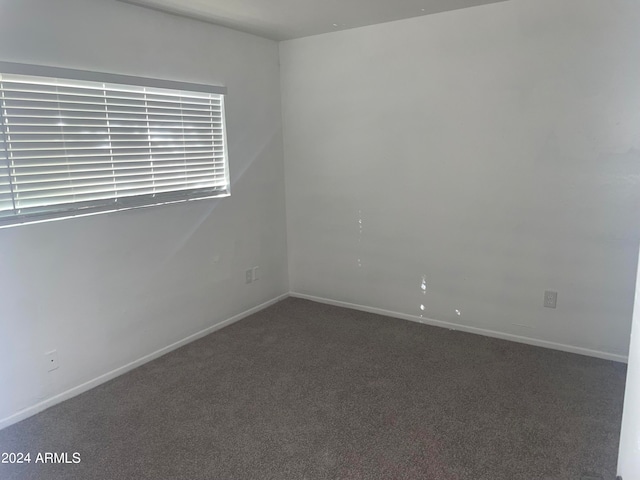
(108, 289)
(629, 452)
(493, 150)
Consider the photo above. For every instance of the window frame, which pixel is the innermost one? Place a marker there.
(114, 204)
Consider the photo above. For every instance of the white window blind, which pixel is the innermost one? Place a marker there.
(72, 145)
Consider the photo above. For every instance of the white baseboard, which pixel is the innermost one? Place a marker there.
(468, 329)
(72, 392)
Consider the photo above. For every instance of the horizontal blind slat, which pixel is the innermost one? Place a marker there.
(111, 147)
(99, 107)
(111, 155)
(43, 182)
(54, 141)
(138, 162)
(66, 95)
(88, 191)
(51, 172)
(123, 151)
(138, 104)
(155, 132)
(17, 170)
(32, 120)
(119, 184)
(41, 122)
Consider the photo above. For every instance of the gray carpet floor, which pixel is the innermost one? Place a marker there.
(309, 391)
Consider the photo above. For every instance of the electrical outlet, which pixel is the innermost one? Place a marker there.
(254, 271)
(51, 360)
(248, 275)
(550, 299)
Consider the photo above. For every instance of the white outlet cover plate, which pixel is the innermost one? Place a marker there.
(550, 299)
(52, 360)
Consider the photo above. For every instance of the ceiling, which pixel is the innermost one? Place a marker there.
(287, 19)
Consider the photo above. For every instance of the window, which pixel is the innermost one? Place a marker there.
(74, 142)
